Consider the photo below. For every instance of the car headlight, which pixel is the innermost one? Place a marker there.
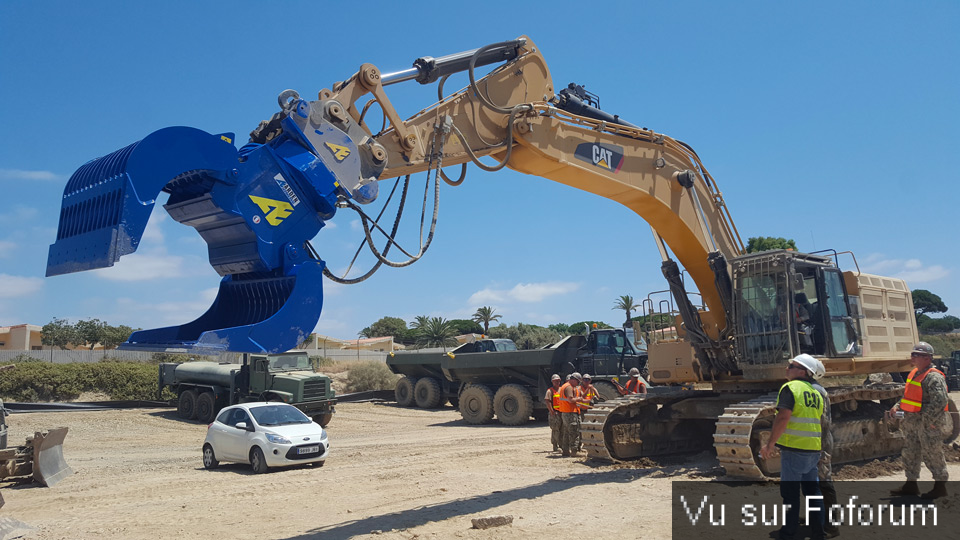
(277, 439)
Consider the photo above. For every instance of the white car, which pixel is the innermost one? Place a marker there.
(264, 435)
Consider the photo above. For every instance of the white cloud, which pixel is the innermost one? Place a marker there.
(166, 313)
(20, 214)
(909, 270)
(153, 233)
(14, 286)
(20, 174)
(143, 267)
(523, 292)
(355, 225)
(7, 248)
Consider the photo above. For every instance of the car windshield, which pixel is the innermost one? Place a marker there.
(278, 415)
(291, 362)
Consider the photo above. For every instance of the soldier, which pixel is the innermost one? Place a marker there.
(634, 386)
(570, 415)
(588, 396)
(552, 399)
(924, 406)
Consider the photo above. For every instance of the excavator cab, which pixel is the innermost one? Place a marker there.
(787, 303)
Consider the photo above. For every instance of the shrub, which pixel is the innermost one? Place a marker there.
(40, 381)
(320, 362)
(370, 376)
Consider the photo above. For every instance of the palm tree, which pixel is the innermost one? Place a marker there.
(485, 315)
(625, 303)
(419, 322)
(436, 332)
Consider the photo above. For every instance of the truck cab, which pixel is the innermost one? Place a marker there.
(290, 377)
(609, 353)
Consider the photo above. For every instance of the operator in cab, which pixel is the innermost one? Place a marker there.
(796, 432)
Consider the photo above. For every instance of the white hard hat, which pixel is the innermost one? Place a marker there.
(555, 377)
(576, 375)
(811, 364)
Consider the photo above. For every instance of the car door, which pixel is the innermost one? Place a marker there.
(235, 438)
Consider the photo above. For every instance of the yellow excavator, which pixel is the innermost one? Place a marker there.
(715, 378)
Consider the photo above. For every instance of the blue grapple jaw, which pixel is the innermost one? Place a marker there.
(256, 209)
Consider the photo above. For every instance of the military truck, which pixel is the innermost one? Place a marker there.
(950, 366)
(490, 378)
(203, 388)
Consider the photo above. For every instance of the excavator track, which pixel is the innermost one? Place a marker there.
(620, 430)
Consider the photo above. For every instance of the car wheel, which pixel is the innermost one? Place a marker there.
(257, 462)
(513, 405)
(427, 393)
(187, 405)
(209, 458)
(206, 407)
(476, 404)
(404, 391)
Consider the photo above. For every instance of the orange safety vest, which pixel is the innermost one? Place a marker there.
(913, 392)
(634, 388)
(566, 406)
(588, 394)
(556, 398)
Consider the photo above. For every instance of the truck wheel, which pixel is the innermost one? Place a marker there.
(404, 391)
(206, 408)
(476, 404)
(187, 405)
(606, 390)
(427, 393)
(323, 419)
(257, 462)
(209, 458)
(513, 405)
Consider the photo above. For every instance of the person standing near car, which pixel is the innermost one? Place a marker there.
(796, 432)
(552, 399)
(924, 407)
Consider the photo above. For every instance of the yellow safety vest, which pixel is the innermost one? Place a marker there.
(803, 429)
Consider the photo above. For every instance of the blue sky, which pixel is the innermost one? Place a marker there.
(835, 125)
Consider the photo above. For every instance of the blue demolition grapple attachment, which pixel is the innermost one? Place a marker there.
(255, 208)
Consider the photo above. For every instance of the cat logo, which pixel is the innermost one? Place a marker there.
(274, 211)
(340, 153)
(605, 156)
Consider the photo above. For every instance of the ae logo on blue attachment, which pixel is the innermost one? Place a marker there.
(605, 156)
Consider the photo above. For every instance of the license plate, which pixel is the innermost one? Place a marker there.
(308, 449)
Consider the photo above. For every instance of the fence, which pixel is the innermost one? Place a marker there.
(56, 356)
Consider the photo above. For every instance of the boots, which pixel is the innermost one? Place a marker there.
(910, 487)
(939, 490)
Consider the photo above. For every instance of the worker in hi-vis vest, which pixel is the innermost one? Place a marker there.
(796, 432)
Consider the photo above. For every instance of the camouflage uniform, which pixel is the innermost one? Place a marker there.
(922, 438)
(571, 432)
(556, 425)
(825, 465)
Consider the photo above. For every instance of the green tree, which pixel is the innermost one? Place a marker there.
(627, 304)
(526, 336)
(91, 332)
(486, 315)
(941, 325)
(655, 321)
(113, 336)
(560, 328)
(437, 332)
(386, 326)
(463, 326)
(583, 327)
(58, 333)
(925, 302)
(767, 243)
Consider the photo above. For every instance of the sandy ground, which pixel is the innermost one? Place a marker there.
(393, 473)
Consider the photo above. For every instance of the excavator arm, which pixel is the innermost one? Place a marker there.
(258, 207)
